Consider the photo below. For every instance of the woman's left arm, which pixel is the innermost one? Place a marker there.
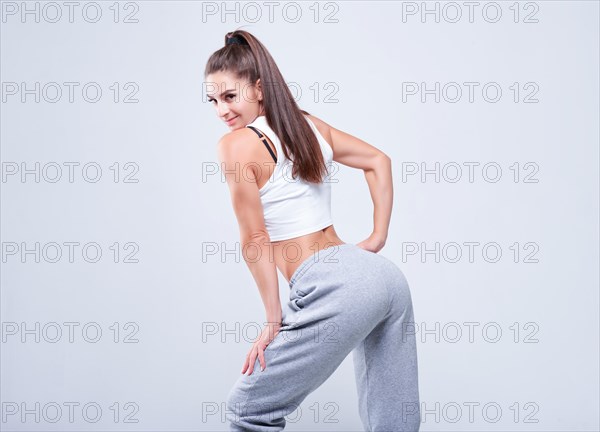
(240, 172)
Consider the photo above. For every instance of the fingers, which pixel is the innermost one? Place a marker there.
(251, 362)
(258, 349)
(246, 362)
(261, 358)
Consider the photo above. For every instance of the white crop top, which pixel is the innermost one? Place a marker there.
(294, 207)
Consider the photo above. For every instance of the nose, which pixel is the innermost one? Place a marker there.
(222, 110)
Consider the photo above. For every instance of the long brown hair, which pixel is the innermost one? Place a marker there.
(249, 60)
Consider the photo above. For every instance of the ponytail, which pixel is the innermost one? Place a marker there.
(247, 58)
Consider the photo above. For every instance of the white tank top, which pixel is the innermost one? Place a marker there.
(294, 207)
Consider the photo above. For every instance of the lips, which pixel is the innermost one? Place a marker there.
(231, 120)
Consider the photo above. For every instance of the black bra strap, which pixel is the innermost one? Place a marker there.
(264, 141)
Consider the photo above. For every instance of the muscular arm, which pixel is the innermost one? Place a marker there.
(379, 178)
(235, 157)
(377, 166)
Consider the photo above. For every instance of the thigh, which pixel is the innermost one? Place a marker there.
(331, 309)
(298, 360)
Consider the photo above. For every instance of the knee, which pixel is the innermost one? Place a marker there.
(244, 414)
(235, 412)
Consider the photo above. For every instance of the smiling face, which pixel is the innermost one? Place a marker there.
(236, 101)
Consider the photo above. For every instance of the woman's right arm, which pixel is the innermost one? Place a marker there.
(236, 158)
(377, 166)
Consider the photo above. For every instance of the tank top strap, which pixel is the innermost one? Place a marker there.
(260, 125)
(260, 135)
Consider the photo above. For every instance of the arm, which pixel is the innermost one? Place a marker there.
(379, 178)
(235, 156)
(377, 166)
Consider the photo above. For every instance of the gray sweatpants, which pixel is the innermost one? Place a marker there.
(342, 299)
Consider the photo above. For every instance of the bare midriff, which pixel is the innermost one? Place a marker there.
(289, 254)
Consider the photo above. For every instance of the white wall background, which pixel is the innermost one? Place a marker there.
(157, 365)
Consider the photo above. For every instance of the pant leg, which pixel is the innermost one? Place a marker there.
(385, 363)
(336, 300)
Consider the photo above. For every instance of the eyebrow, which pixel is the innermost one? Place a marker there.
(222, 93)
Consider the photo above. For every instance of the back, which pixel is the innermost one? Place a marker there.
(294, 207)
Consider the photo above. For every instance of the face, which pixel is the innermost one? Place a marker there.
(236, 102)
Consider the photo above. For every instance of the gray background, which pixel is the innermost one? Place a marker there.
(543, 377)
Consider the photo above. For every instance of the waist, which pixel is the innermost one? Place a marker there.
(291, 253)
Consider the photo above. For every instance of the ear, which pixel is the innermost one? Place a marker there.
(259, 90)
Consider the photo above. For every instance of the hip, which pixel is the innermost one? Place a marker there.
(346, 277)
(346, 264)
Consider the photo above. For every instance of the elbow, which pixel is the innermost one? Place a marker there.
(255, 236)
(385, 161)
(384, 157)
(379, 162)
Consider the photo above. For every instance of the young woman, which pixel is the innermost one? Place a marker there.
(343, 297)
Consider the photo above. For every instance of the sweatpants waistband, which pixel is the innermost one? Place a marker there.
(316, 258)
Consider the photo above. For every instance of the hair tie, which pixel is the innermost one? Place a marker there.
(235, 40)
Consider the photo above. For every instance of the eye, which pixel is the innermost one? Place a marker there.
(232, 95)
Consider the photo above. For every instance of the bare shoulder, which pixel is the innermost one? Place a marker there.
(233, 146)
(323, 127)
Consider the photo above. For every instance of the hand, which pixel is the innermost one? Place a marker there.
(258, 348)
(374, 243)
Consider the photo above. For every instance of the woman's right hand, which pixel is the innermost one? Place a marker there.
(266, 336)
(374, 243)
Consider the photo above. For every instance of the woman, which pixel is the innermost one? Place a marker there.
(343, 297)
